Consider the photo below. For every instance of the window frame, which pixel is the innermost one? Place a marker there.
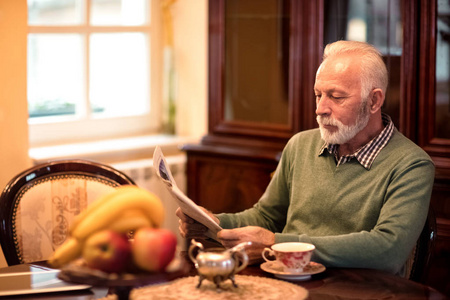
(67, 129)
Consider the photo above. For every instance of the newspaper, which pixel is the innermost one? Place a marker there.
(187, 205)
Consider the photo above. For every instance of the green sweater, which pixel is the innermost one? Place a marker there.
(355, 217)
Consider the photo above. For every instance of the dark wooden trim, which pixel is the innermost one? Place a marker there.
(250, 153)
(443, 227)
(427, 81)
(215, 62)
(409, 65)
(428, 70)
(310, 24)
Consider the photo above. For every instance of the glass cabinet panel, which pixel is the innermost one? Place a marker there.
(378, 23)
(443, 70)
(257, 61)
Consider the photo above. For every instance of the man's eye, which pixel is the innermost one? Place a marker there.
(336, 97)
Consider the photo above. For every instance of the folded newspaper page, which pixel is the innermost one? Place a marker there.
(188, 206)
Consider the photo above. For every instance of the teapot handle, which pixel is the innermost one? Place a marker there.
(194, 245)
(241, 259)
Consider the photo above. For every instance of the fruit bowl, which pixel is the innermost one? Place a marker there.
(79, 272)
(123, 283)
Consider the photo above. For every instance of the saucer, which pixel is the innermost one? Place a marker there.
(276, 269)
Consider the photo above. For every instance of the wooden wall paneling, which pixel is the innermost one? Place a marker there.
(216, 59)
(227, 179)
(408, 106)
(438, 148)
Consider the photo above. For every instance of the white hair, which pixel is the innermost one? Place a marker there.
(374, 73)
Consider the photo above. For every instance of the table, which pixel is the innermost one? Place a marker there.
(340, 283)
(334, 283)
(337, 283)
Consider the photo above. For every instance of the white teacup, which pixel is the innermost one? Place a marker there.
(292, 256)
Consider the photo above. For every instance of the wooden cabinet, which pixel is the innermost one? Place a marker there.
(432, 126)
(263, 55)
(226, 179)
(262, 60)
(260, 72)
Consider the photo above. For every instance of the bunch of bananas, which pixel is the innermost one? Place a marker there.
(126, 209)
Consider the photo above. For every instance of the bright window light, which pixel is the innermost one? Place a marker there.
(88, 69)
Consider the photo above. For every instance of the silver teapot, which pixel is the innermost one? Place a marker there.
(217, 264)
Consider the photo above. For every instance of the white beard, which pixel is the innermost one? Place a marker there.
(344, 133)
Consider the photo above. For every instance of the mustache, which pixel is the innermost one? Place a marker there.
(326, 120)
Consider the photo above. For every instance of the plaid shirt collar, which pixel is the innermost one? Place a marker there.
(366, 154)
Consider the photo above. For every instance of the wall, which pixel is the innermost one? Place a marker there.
(13, 97)
(190, 26)
(190, 42)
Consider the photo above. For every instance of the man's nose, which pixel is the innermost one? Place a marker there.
(322, 106)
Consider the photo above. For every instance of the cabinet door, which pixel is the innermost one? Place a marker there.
(259, 70)
(434, 79)
(379, 23)
(434, 101)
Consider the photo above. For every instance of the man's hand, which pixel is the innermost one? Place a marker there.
(191, 229)
(259, 237)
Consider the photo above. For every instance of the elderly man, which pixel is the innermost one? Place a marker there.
(356, 188)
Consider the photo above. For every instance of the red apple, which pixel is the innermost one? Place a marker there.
(153, 249)
(107, 250)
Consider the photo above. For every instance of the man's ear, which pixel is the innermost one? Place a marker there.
(376, 100)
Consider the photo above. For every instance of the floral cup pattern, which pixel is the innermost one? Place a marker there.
(292, 256)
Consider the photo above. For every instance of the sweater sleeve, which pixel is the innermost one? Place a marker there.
(388, 245)
(271, 210)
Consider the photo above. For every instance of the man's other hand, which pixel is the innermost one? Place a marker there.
(259, 237)
(191, 229)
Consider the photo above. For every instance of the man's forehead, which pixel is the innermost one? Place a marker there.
(338, 64)
(342, 71)
(340, 67)
(328, 88)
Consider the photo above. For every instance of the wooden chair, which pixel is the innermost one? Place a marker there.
(38, 204)
(423, 253)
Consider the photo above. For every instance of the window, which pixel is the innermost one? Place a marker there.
(89, 69)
